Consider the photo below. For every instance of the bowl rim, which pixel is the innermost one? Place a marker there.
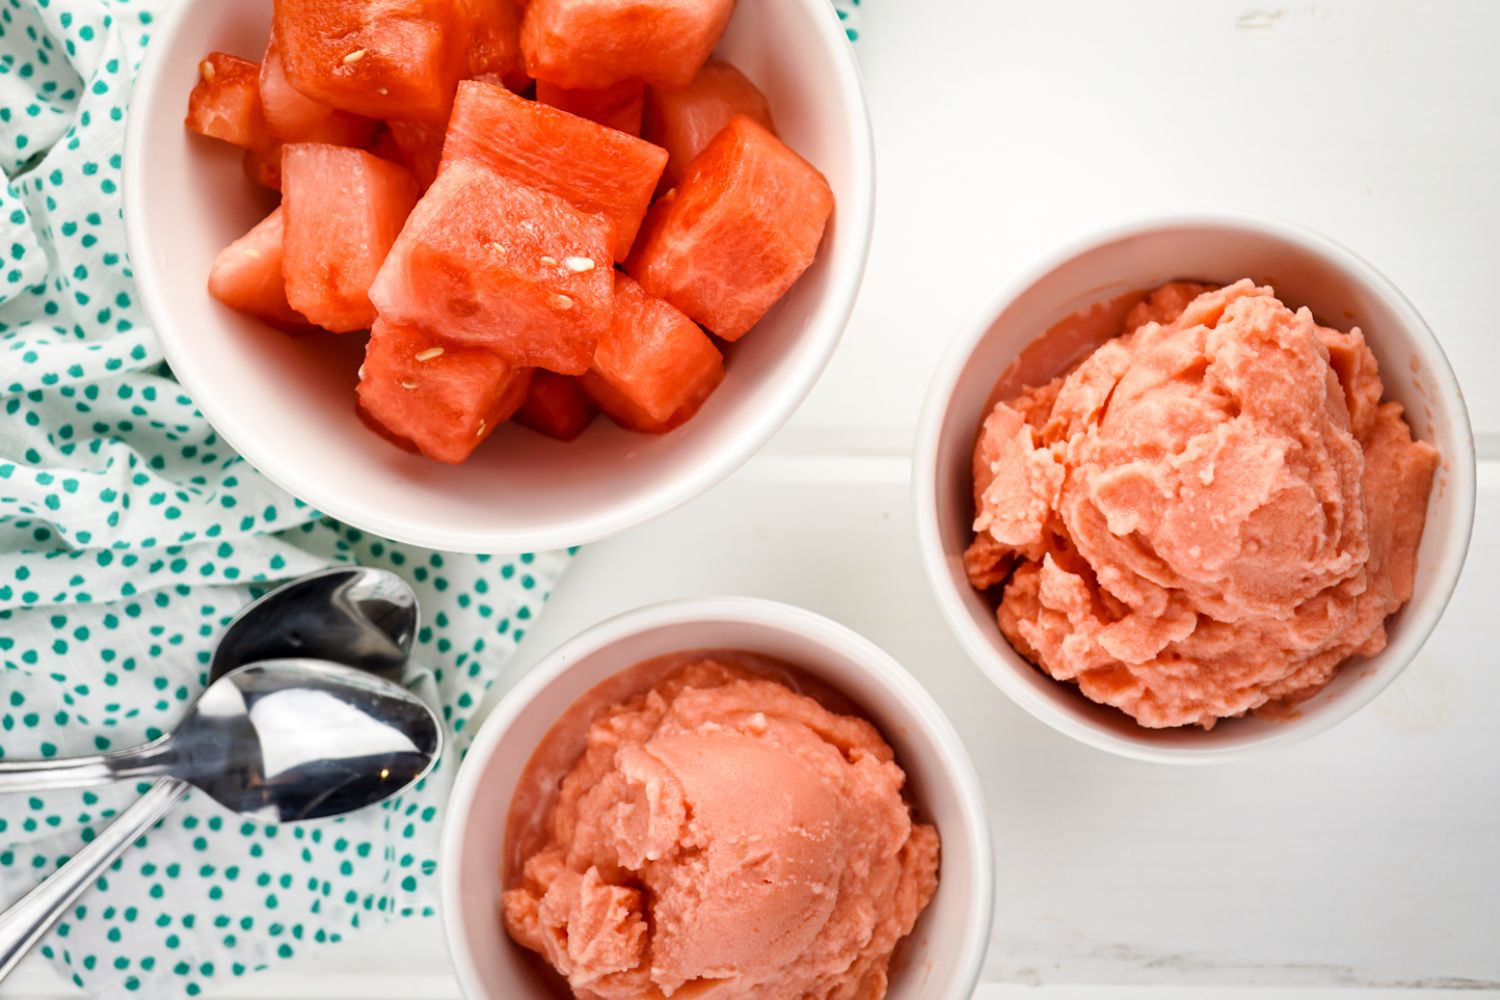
(1047, 707)
(687, 481)
(839, 639)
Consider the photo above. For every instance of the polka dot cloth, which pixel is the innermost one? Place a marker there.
(130, 534)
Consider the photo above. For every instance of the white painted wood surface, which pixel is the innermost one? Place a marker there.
(1366, 860)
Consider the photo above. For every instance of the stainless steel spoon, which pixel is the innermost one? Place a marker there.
(285, 740)
(355, 615)
(280, 741)
(364, 618)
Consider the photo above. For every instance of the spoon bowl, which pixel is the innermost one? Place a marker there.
(298, 739)
(354, 615)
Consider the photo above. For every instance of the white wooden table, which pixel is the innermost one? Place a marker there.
(1366, 860)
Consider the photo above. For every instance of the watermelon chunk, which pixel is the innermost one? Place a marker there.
(264, 168)
(743, 225)
(654, 355)
(619, 107)
(225, 102)
(247, 274)
(493, 263)
(442, 399)
(495, 41)
(421, 145)
(384, 145)
(556, 406)
(344, 208)
(391, 59)
(586, 44)
(597, 169)
(683, 120)
(624, 411)
(292, 116)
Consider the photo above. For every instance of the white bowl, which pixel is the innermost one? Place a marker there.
(1342, 290)
(287, 404)
(941, 959)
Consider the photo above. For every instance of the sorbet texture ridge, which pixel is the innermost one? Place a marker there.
(725, 836)
(1208, 515)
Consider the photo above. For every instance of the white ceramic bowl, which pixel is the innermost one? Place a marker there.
(1342, 290)
(287, 404)
(942, 958)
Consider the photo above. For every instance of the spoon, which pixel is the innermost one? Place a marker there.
(284, 740)
(360, 617)
(355, 615)
(280, 741)
(363, 617)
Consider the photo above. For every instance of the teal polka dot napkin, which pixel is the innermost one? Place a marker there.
(130, 534)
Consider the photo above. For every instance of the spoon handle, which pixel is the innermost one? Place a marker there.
(148, 761)
(27, 921)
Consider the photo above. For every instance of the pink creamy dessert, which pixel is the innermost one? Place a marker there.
(717, 834)
(1206, 516)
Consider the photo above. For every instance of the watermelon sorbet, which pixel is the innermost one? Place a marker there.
(1208, 515)
(721, 836)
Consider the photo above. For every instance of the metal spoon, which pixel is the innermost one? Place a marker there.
(365, 618)
(359, 617)
(281, 741)
(286, 740)
(354, 615)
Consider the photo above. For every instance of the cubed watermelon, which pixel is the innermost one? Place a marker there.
(556, 406)
(292, 116)
(656, 215)
(597, 169)
(684, 119)
(264, 168)
(588, 44)
(344, 208)
(619, 107)
(384, 146)
(386, 59)
(421, 145)
(247, 274)
(225, 102)
(442, 399)
(493, 263)
(654, 355)
(741, 228)
(495, 41)
(624, 411)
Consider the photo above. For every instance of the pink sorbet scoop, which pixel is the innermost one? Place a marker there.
(723, 836)
(1208, 515)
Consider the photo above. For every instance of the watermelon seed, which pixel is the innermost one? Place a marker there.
(206, 70)
(382, 91)
(429, 354)
(479, 432)
(547, 261)
(361, 373)
(252, 253)
(579, 265)
(562, 302)
(408, 383)
(355, 56)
